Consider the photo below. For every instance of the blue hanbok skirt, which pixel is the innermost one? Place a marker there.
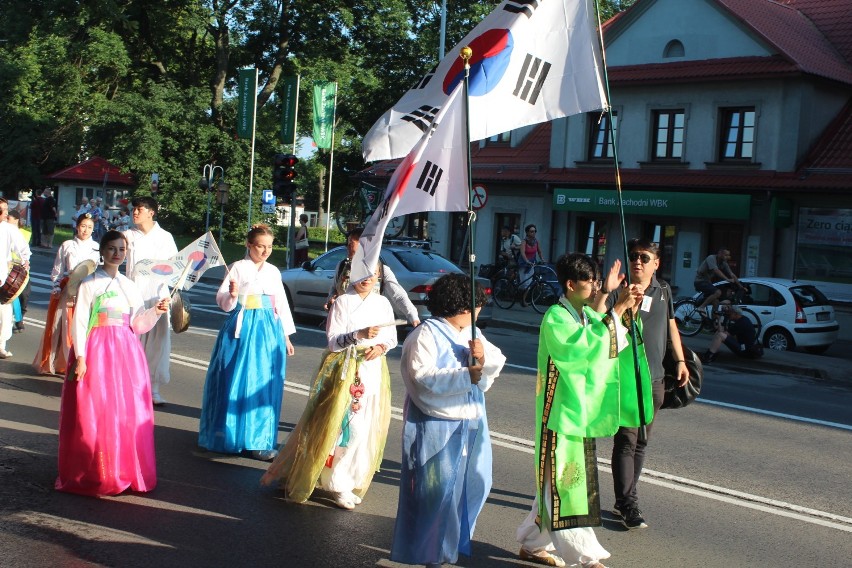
(245, 381)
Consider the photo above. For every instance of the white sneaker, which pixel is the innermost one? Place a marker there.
(5, 354)
(157, 399)
(343, 501)
(352, 497)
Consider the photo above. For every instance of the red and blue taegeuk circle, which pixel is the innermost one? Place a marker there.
(198, 259)
(163, 269)
(492, 52)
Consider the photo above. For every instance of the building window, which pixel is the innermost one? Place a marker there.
(668, 134)
(674, 49)
(502, 138)
(737, 136)
(602, 135)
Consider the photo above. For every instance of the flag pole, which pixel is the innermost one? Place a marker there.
(466, 53)
(643, 430)
(330, 169)
(251, 160)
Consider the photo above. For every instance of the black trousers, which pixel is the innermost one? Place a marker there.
(628, 454)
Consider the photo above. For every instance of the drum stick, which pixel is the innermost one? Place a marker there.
(394, 322)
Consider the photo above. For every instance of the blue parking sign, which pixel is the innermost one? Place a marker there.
(268, 197)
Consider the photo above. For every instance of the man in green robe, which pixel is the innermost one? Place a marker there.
(585, 389)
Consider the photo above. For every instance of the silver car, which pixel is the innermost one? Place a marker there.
(416, 269)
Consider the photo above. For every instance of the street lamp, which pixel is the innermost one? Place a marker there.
(222, 200)
(206, 185)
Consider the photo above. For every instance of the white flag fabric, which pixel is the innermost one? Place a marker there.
(432, 177)
(532, 62)
(200, 255)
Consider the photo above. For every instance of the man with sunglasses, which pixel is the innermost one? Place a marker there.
(656, 315)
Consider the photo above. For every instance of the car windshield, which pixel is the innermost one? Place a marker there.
(424, 261)
(808, 296)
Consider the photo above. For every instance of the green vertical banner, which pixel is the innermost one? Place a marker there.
(289, 108)
(324, 97)
(247, 89)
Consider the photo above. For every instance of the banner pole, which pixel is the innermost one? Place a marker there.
(291, 230)
(251, 162)
(330, 169)
(466, 53)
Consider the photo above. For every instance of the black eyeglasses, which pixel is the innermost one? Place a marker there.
(644, 257)
(532, 231)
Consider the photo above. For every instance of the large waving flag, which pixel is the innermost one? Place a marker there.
(532, 62)
(433, 177)
(194, 259)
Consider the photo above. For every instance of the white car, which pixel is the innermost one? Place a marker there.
(792, 314)
(415, 268)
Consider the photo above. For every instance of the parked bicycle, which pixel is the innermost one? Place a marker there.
(539, 289)
(691, 321)
(355, 209)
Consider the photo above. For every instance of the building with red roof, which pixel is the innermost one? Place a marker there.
(96, 177)
(732, 122)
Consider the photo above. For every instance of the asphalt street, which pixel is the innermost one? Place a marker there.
(754, 475)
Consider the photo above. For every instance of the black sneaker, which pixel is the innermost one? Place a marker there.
(631, 516)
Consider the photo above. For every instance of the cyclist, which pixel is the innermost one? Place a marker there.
(530, 253)
(713, 267)
(739, 335)
(510, 247)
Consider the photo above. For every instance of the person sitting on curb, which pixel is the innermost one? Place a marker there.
(740, 337)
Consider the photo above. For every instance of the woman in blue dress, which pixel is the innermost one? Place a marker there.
(245, 380)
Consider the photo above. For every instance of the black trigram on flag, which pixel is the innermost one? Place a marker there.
(521, 7)
(421, 84)
(430, 178)
(204, 244)
(214, 259)
(191, 277)
(422, 117)
(383, 206)
(531, 79)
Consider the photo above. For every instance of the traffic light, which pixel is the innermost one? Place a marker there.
(283, 174)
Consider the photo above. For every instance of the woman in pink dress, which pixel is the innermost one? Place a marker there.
(106, 420)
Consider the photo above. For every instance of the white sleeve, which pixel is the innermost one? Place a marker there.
(141, 320)
(80, 320)
(336, 330)
(418, 360)
(398, 296)
(223, 295)
(282, 309)
(494, 361)
(56, 273)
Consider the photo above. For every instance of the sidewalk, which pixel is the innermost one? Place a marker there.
(783, 362)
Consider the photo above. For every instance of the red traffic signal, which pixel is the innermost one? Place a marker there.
(283, 174)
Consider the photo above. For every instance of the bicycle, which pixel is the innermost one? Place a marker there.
(541, 289)
(356, 208)
(691, 321)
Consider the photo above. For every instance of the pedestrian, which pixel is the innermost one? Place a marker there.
(106, 422)
(389, 286)
(147, 240)
(52, 355)
(581, 395)
(19, 305)
(36, 204)
(737, 333)
(445, 473)
(83, 209)
(339, 441)
(245, 379)
(655, 315)
(300, 251)
(97, 213)
(530, 253)
(49, 215)
(714, 268)
(121, 222)
(510, 248)
(12, 245)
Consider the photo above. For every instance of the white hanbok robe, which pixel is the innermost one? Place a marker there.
(156, 244)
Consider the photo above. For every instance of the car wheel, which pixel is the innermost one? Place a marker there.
(817, 349)
(778, 339)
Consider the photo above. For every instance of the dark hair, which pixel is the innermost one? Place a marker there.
(506, 228)
(257, 230)
(530, 226)
(111, 235)
(145, 201)
(303, 217)
(643, 244)
(82, 218)
(450, 296)
(355, 233)
(15, 214)
(575, 266)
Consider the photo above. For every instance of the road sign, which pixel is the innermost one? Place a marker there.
(267, 208)
(268, 198)
(478, 196)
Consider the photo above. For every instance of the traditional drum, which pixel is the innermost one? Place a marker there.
(76, 276)
(15, 283)
(179, 311)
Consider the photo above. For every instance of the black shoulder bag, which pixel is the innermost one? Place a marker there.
(677, 396)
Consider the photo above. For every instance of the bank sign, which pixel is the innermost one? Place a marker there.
(654, 203)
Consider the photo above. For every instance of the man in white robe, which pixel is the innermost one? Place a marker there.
(10, 241)
(147, 240)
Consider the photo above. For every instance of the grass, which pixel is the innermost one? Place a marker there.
(236, 251)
